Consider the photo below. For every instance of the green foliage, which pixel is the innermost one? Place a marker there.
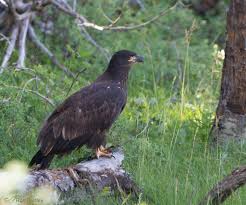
(165, 127)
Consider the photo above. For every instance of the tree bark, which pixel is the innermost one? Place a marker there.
(230, 122)
(225, 187)
(82, 180)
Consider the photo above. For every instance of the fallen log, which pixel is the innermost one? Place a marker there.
(226, 187)
(85, 179)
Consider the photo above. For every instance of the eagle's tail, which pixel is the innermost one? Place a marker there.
(41, 160)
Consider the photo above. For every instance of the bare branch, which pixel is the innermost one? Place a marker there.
(89, 38)
(48, 100)
(4, 38)
(63, 6)
(74, 5)
(115, 21)
(38, 5)
(21, 7)
(3, 3)
(226, 187)
(6, 21)
(10, 48)
(110, 20)
(127, 28)
(76, 77)
(84, 22)
(22, 43)
(45, 50)
(22, 13)
(11, 6)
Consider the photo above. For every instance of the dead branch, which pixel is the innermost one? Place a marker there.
(6, 21)
(22, 43)
(127, 28)
(112, 22)
(3, 3)
(74, 5)
(83, 179)
(11, 47)
(85, 23)
(226, 187)
(38, 5)
(89, 38)
(4, 38)
(65, 7)
(76, 77)
(48, 100)
(21, 13)
(46, 51)
(20, 9)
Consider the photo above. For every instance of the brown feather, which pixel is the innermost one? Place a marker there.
(82, 116)
(85, 117)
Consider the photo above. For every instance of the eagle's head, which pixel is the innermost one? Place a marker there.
(125, 59)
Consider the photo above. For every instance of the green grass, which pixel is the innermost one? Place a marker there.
(165, 127)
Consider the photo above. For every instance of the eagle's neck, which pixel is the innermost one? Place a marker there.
(118, 75)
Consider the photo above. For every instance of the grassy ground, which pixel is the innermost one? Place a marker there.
(165, 126)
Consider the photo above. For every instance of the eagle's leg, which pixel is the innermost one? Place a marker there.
(103, 152)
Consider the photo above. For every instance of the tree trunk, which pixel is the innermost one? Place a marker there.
(230, 122)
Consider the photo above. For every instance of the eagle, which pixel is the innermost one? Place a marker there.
(85, 117)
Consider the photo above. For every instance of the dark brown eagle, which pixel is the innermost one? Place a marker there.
(86, 116)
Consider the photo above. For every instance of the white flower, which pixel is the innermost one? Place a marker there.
(13, 174)
(46, 195)
(221, 54)
(215, 47)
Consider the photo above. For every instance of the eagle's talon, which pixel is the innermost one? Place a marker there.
(103, 152)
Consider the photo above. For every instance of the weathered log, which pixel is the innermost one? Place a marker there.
(84, 179)
(226, 187)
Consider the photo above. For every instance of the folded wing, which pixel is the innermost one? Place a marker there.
(85, 114)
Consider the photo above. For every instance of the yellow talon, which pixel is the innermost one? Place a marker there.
(103, 152)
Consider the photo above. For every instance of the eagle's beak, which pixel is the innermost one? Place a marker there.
(139, 59)
(136, 59)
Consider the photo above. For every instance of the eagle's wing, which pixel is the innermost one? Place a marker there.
(84, 114)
